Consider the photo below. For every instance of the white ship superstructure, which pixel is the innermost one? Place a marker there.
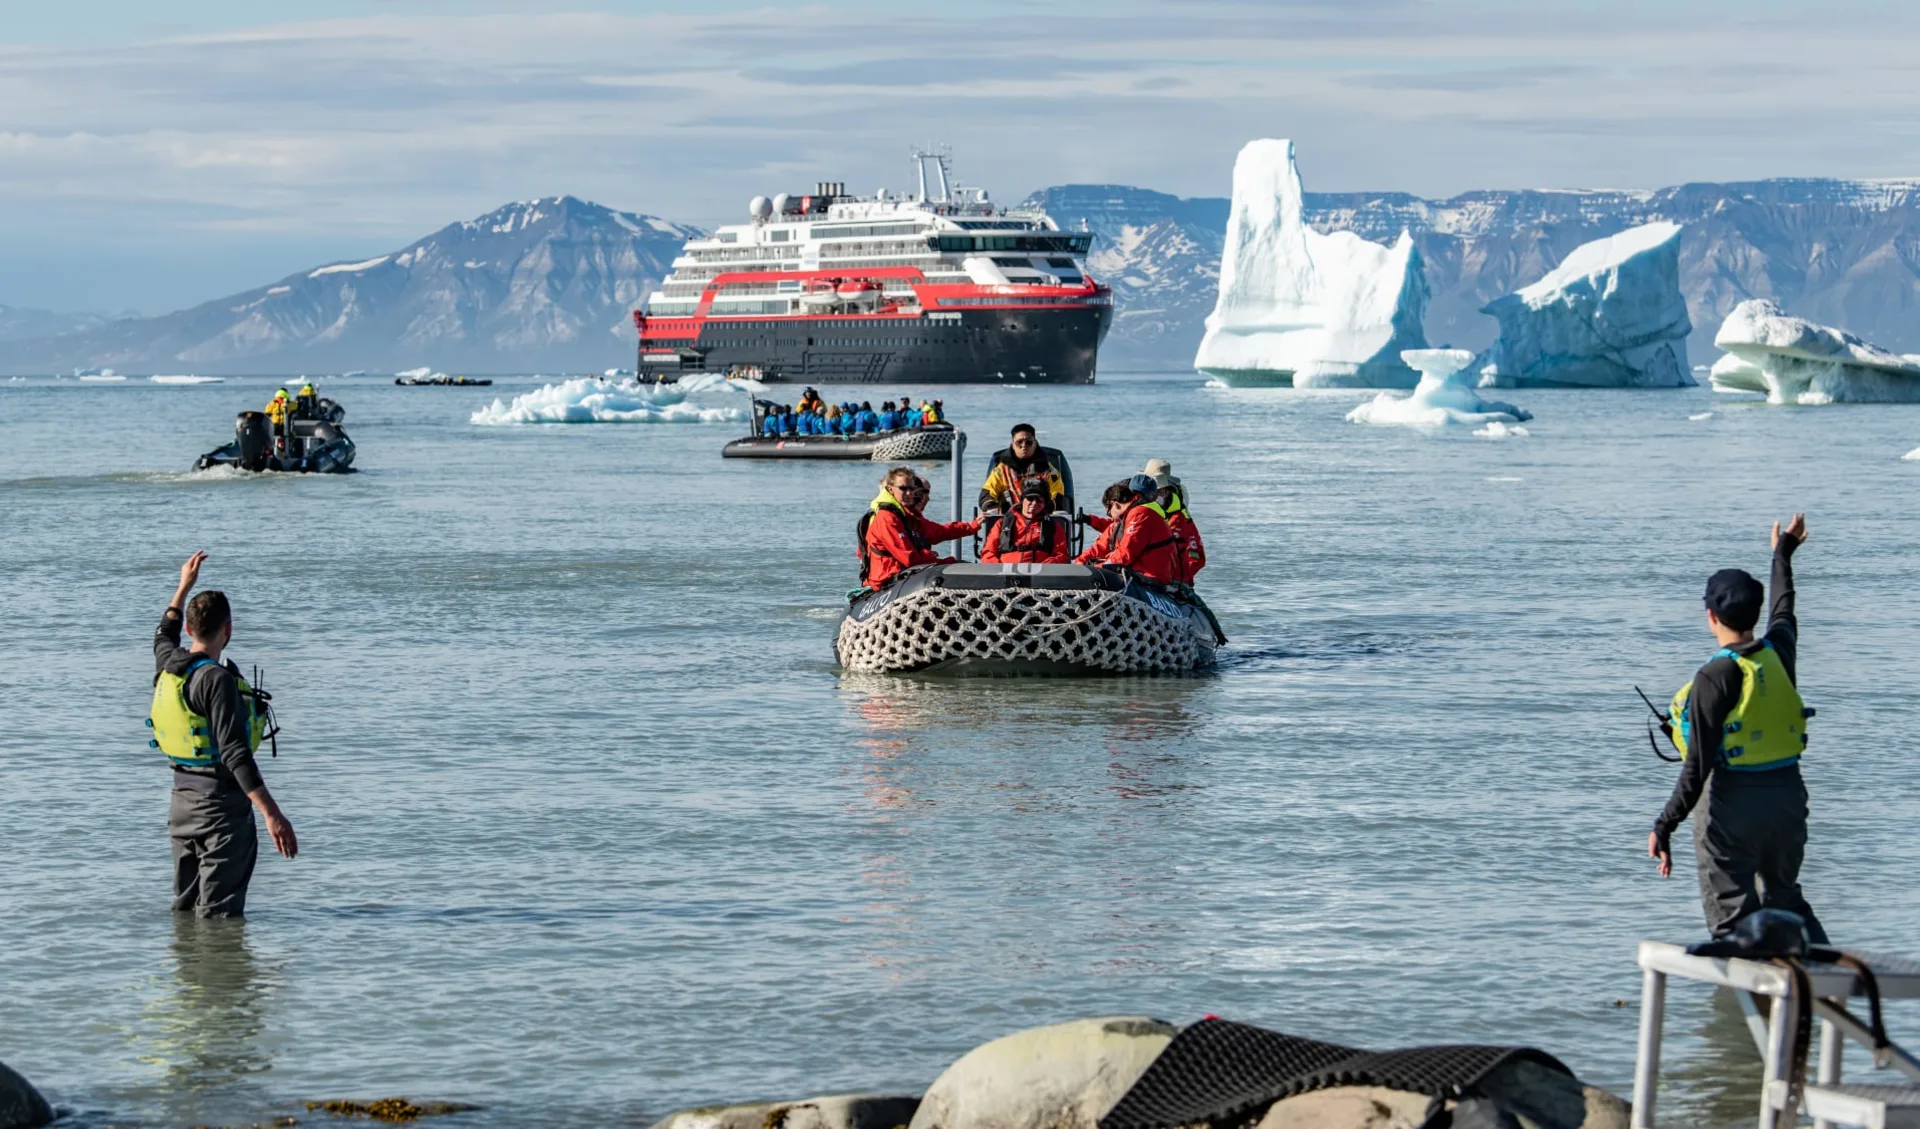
(941, 285)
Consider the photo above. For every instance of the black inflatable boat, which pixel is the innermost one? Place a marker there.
(313, 444)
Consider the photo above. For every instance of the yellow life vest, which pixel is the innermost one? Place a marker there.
(1766, 729)
(186, 737)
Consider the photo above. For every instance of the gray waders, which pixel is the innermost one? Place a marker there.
(1749, 839)
(214, 848)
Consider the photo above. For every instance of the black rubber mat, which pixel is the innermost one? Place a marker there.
(1217, 1071)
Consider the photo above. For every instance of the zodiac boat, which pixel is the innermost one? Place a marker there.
(1022, 617)
(929, 441)
(314, 445)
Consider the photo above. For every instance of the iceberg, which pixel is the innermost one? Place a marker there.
(1796, 361)
(1298, 307)
(1442, 397)
(1611, 315)
(592, 399)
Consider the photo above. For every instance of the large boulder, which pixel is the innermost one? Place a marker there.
(838, 1111)
(1519, 1095)
(21, 1106)
(1060, 1077)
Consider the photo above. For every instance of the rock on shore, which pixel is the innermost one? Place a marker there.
(1060, 1077)
(21, 1106)
(837, 1111)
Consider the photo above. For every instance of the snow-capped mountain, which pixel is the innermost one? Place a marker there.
(547, 283)
(1841, 252)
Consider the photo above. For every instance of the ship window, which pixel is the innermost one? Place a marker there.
(1009, 261)
(729, 237)
(780, 236)
(1068, 263)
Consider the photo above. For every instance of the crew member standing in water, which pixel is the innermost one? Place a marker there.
(1741, 727)
(208, 722)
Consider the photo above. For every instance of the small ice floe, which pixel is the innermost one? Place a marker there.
(416, 373)
(1497, 430)
(1442, 398)
(1912, 456)
(1505, 478)
(1698, 416)
(185, 379)
(590, 399)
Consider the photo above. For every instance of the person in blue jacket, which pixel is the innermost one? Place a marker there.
(847, 412)
(869, 419)
(887, 420)
(770, 423)
(803, 419)
(912, 416)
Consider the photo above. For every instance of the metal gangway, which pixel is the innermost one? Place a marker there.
(1827, 1099)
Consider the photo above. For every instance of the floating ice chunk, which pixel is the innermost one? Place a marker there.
(1611, 315)
(1698, 416)
(1302, 308)
(186, 379)
(416, 373)
(1497, 430)
(1912, 456)
(1443, 397)
(590, 399)
(1793, 360)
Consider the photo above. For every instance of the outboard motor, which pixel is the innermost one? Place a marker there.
(251, 440)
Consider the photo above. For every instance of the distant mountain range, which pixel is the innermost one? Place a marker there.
(1840, 252)
(19, 323)
(548, 285)
(542, 285)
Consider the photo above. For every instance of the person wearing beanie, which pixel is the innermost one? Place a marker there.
(1741, 727)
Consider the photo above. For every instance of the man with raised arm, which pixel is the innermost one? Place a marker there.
(208, 722)
(1741, 727)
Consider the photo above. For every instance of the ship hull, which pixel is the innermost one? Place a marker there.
(1015, 345)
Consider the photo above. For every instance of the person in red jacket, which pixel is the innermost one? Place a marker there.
(1172, 500)
(893, 535)
(1028, 535)
(1138, 537)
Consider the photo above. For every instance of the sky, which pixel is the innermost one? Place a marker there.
(156, 156)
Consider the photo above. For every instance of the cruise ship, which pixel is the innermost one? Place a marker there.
(939, 287)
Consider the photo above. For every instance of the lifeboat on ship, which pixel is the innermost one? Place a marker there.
(1026, 618)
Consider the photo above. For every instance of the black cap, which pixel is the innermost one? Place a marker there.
(1035, 488)
(1734, 598)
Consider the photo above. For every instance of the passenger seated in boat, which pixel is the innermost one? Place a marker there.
(894, 536)
(888, 419)
(1020, 460)
(1031, 534)
(1171, 501)
(830, 420)
(912, 419)
(869, 419)
(1137, 537)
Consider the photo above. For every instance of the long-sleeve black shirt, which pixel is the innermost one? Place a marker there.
(213, 692)
(1716, 690)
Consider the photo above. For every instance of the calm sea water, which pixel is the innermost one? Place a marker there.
(592, 827)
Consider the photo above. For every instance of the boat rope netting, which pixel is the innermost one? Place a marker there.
(1217, 1072)
(1104, 630)
(914, 445)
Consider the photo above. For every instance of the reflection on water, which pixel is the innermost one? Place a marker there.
(208, 1024)
(1717, 1084)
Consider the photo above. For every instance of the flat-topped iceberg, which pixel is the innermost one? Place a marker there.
(1304, 308)
(1611, 315)
(1443, 397)
(1795, 361)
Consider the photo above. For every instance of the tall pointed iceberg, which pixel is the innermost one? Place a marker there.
(1304, 308)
